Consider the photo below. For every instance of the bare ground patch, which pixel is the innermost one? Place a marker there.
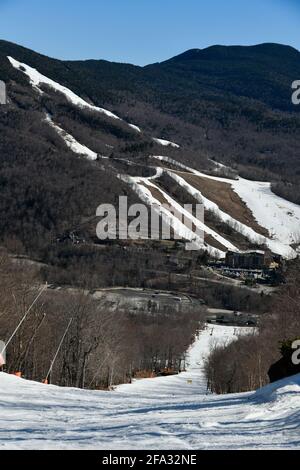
(228, 200)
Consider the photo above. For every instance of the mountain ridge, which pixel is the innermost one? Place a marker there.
(228, 51)
(213, 50)
(168, 110)
(232, 69)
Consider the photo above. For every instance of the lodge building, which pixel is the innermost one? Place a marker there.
(251, 259)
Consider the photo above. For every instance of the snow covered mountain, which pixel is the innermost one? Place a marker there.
(160, 413)
(248, 209)
(273, 221)
(74, 135)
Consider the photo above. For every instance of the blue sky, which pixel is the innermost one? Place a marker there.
(145, 31)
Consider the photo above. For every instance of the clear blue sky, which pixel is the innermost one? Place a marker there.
(145, 31)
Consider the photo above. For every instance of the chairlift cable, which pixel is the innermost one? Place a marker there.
(24, 318)
(58, 349)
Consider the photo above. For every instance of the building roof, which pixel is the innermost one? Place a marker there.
(248, 252)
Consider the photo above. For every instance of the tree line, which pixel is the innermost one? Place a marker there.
(102, 347)
(243, 365)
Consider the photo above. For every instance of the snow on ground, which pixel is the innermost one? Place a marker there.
(280, 217)
(37, 79)
(162, 413)
(220, 165)
(212, 206)
(185, 215)
(166, 143)
(173, 162)
(136, 128)
(182, 228)
(71, 142)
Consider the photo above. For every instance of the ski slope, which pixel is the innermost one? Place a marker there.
(37, 79)
(135, 128)
(181, 222)
(71, 142)
(162, 413)
(166, 143)
(280, 217)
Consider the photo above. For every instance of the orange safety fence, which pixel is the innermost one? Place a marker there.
(17, 374)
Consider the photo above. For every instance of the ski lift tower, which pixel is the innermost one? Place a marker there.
(2, 354)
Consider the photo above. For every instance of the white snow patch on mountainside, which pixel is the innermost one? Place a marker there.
(135, 128)
(212, 206)
(37, 79)
(185, 215)
(166, 143)
(71, 142)
(162, 413)
(177, 164)
(246, 231)
(280, 217)
(182, 230)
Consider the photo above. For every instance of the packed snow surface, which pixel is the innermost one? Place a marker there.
(160, 413)
(280, 217)
(166, 143)
(189, 219)
(71, 142)
(181, 221)
(134, 127)
(37, 79)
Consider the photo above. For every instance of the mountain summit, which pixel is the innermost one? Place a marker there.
(225, 111)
